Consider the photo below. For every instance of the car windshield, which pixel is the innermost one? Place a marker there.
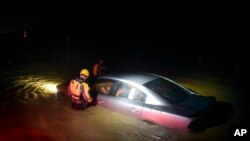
(168, 90)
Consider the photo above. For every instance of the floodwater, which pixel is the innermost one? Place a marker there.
(31, 110)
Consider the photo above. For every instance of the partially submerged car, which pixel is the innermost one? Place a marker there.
(153, 98)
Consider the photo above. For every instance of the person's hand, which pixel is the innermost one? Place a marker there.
(90, 100)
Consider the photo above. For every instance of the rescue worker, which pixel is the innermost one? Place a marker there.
(78, 89)
(98, 68)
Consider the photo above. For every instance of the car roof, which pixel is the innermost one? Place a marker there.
(137, 77)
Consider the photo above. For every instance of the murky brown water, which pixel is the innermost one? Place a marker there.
(31, 110)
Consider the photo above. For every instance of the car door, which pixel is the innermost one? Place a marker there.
(107, 98)
(128, 100)
(137, 99)
(121, 98)
(118, 99)
(104, 89)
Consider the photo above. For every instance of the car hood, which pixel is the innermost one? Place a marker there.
(196, 105)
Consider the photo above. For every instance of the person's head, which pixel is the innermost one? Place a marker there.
(84, 74)
(100, 61)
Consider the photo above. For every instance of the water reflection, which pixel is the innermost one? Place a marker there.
(36, 83)
(29, 83)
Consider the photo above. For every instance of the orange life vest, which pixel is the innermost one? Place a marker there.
(79, 91)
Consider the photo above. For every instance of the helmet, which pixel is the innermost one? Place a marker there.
(84, 72)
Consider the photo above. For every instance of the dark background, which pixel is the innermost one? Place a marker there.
(149, 35)
(124, 33)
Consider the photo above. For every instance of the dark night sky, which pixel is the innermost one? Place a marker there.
(151, 19)
(181, 29)
(123, 18)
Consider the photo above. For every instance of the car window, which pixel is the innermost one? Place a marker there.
(168, 90)
(139, 96)
(129, 92)
(104, 87)
(122, 91)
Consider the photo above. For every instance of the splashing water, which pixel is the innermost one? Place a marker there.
(26, 84)
(50, 87)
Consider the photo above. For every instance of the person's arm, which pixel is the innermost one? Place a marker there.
(95, 70)
(86, 94)
(69, 92)
(119, 92)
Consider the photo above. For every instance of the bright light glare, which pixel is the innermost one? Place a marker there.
(50, 87)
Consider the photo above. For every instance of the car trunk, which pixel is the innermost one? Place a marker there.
(196, 105)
